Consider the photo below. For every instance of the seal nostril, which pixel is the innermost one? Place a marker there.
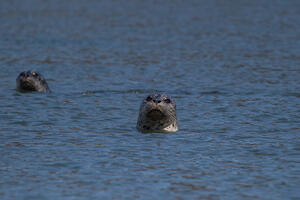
(158, 101)
(28, 73)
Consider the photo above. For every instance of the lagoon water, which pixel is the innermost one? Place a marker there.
(232, 67)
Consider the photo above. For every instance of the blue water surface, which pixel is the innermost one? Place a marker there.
(232, 67)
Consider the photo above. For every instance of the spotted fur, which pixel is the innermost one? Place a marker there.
(157, 114)
(31, 81)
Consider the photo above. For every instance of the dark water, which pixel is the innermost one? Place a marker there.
(233, 68)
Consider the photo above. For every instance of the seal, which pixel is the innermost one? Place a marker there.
(157, 114)
(31, 81)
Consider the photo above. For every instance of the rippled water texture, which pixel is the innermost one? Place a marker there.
(232, 67)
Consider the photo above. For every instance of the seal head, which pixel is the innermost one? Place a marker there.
(31, 81)
(157, 114)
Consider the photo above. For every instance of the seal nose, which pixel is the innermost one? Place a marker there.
(157, 101)
(28, 73)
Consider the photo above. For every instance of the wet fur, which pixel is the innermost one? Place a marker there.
(168, 123)
(31, 81)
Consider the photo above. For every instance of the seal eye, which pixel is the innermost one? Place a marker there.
(148, 98)
(167, 101)
(34, 74)
(22, 74)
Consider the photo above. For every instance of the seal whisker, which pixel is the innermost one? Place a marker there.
(157, 114)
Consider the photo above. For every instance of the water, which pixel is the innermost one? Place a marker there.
(232, 67)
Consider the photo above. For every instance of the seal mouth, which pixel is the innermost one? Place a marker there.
(27, 85)
(155, 115)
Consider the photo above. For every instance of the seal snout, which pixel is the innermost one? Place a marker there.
(155, 114)
(157, 101)
(28, 74)
(25, 74)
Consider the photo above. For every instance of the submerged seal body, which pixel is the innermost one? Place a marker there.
(31, 81)
(157, 114)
